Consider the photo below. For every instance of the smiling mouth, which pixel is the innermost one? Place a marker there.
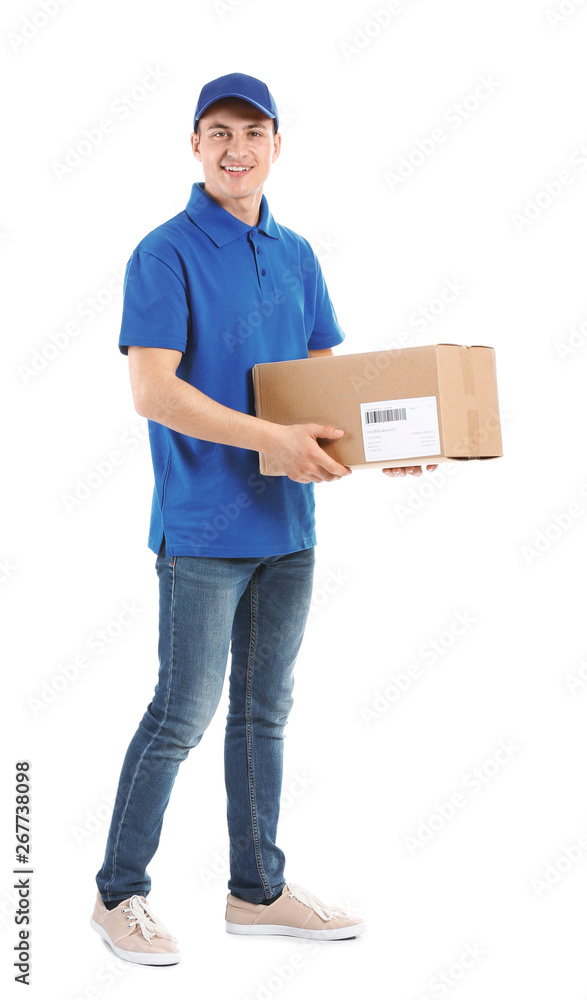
(236, 170)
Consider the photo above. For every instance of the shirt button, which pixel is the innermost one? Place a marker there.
(258, 249)
(263, 273)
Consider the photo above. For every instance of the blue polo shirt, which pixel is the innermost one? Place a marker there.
(228, 296)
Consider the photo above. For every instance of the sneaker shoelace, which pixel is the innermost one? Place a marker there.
(308, 899)
(149, 924)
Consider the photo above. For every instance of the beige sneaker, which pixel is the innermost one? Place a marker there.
(296, 913)
(134, 932)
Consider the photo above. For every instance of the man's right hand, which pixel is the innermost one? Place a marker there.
(301, 457)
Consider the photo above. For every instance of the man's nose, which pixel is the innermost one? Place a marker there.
(236, 149)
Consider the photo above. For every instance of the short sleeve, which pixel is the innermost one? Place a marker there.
(326, 331)
(155, 310)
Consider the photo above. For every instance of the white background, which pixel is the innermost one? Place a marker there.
(397, 561)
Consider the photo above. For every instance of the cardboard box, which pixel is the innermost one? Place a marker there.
(411, 406)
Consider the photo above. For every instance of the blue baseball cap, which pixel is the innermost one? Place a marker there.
(248, 88)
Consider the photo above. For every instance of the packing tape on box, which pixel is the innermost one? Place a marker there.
(473, 433)
(473, 411)
(467, 372)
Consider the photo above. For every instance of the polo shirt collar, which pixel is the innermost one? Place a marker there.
(222, 227)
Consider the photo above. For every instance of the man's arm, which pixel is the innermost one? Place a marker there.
(159, 394)
(319, 354)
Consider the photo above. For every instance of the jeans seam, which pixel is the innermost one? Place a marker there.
(249, 732)
(155, 735)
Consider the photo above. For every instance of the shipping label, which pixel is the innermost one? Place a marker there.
(400, 428)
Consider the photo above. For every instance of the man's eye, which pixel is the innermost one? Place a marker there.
(224, 133)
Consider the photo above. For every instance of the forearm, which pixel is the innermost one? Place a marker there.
(180, 406)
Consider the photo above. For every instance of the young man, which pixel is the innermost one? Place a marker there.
(208, 294)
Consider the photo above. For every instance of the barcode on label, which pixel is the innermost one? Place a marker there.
(379, 416)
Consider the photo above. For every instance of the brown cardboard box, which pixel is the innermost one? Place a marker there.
(411, 406)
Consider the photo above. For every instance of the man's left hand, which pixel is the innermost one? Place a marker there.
(413, 470)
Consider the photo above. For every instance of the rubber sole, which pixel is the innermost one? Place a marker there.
(337, 934)
(137, 957)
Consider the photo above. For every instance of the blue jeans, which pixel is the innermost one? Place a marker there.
(257, 608)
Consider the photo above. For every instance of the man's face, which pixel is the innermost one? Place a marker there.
(235, 134)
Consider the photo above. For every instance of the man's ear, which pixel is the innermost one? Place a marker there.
(195, 142)
(276, 146)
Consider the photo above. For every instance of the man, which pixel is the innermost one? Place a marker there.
(208, 294)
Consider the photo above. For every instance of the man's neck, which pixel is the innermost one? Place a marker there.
(248, 210)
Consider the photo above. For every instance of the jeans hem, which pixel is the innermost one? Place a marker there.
(275, 894)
